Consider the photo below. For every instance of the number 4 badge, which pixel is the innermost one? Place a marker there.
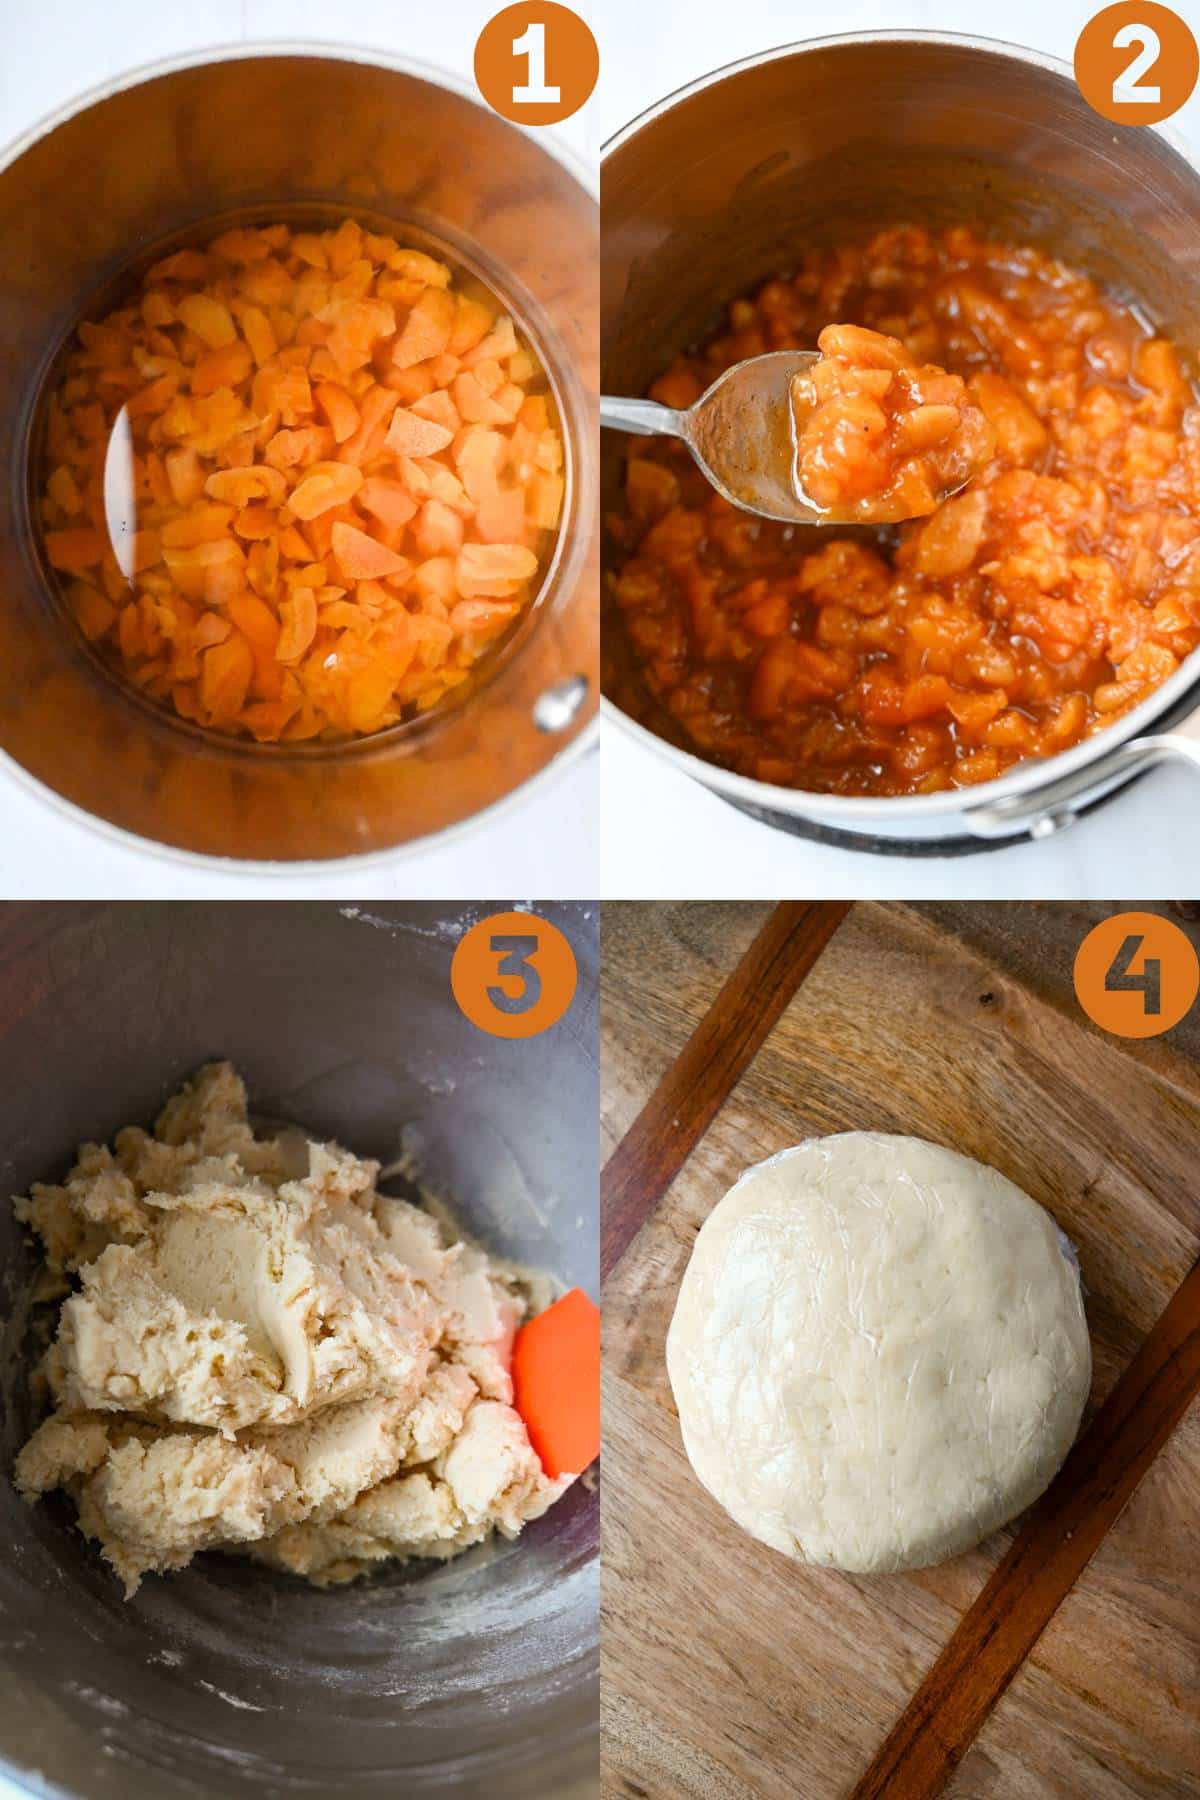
(1136, 974)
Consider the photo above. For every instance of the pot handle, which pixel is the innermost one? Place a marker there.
(1056, 805)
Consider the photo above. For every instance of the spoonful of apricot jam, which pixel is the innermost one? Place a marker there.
(857, 432)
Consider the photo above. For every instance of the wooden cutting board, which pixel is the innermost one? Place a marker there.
(730, 1671)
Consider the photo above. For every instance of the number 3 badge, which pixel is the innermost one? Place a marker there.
(513, 974)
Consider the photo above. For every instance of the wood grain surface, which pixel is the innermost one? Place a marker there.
(711, 1062)
(1053, 1547)
(732, 1671)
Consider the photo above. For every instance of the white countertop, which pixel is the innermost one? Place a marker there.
(543, 843)
(665, 836)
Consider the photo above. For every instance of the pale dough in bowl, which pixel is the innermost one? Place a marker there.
(257, 1352)
(879, 1352)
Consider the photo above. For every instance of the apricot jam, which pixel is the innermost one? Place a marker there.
(1023, 614)
(878, 437)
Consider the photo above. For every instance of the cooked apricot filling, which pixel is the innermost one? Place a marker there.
(1053, 594)
(301, 482)
(879, 437)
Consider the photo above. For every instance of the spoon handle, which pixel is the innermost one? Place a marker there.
(645, 417)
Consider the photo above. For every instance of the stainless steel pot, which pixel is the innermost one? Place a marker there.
(223, 1680)
(251, 133)
(705, 194)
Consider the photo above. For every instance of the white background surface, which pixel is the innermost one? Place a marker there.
(543, 845)
(664, 835)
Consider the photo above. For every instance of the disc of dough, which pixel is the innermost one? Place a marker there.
(879, 1351)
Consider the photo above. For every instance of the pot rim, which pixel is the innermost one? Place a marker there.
(575, 164)
(581, 172)
(853, 811)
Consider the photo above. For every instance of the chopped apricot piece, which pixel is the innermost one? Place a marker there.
(292, 449)
(211, 629)
(498, 345)
(481, 615)
(197, 576)
(185, 472)
(410, 435)
(339, 409)
(63, 489)
(426, 331)
(225, 675)
(544, 495)
(500, 516)
(260, 627)
(360, 557)
(256, 521)
(238, 487)
(75, 549)
(479, 456)
(535, 414)
(472, 322)
(410, 385)
(292, 543)
(439, 530)
(493, 568)
(201, 524)
(439, 408)
(880, 437)
(474, 405)
(259, 334)
(325, 485)
(1020, 434)
(416, 265)
(225, 367)
(268, 720)
(375, 407)
(95, 613)
(390, 501)
(241, 245)
(209, 319)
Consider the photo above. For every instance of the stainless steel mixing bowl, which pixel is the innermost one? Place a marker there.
(711, 191)
(225, 1680)
(251, 133)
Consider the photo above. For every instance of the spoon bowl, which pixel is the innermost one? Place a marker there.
(739, 432)
(742, 435)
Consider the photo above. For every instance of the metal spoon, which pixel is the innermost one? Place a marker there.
(741, 435)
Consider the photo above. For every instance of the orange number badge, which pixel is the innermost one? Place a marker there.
(513, 974)
(536, 62)
(1136, 975)
(1136, 63)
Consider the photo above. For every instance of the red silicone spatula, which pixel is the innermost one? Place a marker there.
(556, 1383)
